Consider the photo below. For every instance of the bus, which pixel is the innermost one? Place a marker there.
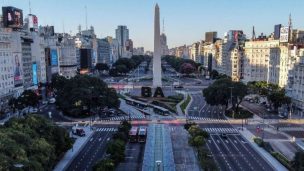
(160, 110)
(142, 134)
(133, 133)
(136, 103)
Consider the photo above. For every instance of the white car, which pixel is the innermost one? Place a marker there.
(52, 100)
(33, 110)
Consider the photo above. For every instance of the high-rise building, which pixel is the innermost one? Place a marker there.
(67, 56)
(138, 51)
(103, 51)
(210, 37)
(163, 45)
(122, 35)
(194, 52)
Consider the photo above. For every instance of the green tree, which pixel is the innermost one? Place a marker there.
(278, 98)
(104, 165)
(58, 81)
(219, 93)
(102, 67)
(28, 98)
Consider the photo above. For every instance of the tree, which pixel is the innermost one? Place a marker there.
(298, 161)
(187, 68)
(278, 98)
(214, 74)
(102, 67)
(58, 81)
(104, 165)
(28, 98)
(122, 69)
(219, 93)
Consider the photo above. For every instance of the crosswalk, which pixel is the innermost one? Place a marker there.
(220, 130)
(120, 118)
(291, 129)
(207, 119)
(106, 129)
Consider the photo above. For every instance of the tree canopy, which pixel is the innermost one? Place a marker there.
(178, 63)
(81, 93)
(33, 142)
(219, 93)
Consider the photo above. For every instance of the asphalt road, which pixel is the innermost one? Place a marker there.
(199, 108)
(93, 150)
(234, 153)
(231, 152)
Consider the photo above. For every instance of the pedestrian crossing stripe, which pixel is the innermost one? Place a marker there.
(124, 118)
(206, 119)
(106, 129)
(291, 129)
(221, 130)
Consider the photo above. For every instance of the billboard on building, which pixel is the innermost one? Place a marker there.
(35, 77)
(54, 57)
(33, 22)
(18, 70)
(48, 30)
(85, 59)
(284, 34)
(12, 17)
(277, 29)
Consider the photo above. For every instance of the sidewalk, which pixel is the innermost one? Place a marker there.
(268, 157)
(72, 153)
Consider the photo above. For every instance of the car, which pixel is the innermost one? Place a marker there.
(52, 100)
(224, 136)
(33, 110)
(178, 86)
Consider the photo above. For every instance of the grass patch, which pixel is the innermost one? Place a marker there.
(185, 104)
(242, 114)
(121, 96)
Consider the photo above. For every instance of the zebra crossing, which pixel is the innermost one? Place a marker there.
(106, 129)
(291, 129)
(120, 118)
(220, 130)
(207, 119)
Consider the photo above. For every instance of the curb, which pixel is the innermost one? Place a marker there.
(189, 104)
(76, 154)
(255, 146)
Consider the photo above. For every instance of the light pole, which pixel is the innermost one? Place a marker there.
(231, 101)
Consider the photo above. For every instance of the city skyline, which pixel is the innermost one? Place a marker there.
(180, 17)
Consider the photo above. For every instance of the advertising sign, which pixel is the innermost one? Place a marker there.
(12, 17)
(18, 70)
(284, 32)
(33, 21)
(54, 57)
(35, 77)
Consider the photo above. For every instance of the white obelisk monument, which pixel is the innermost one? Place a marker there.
(157, 78)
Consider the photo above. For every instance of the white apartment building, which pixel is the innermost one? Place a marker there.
(257, 59)
(7, 66)
(67, 57)
(194, 52)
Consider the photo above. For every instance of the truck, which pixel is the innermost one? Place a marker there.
(78, 131)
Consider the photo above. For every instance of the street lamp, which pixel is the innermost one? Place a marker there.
(231, 101)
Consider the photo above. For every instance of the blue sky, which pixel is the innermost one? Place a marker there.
(186, 21)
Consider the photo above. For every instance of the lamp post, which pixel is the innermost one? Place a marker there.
(231, 101)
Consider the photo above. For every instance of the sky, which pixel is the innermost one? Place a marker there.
(186, 21)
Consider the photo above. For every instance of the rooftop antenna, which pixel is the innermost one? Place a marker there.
(86, 17)
(253, 33)
(163, 25)
(30, 7)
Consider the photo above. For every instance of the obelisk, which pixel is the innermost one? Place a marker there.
(157, 78)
